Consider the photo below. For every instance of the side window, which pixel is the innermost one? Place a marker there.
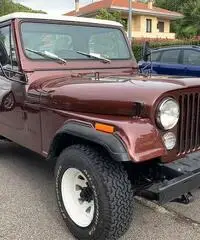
(191, 57)
(154, 57)
(161, 26)
(170, 56)
(148, 25)
(6, 39)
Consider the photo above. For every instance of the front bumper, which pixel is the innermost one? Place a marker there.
(182, 176)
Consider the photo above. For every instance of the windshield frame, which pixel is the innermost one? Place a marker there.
(43, 21)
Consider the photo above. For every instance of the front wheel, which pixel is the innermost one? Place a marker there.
(94, 194)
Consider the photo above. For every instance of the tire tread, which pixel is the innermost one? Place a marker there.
(119, 190)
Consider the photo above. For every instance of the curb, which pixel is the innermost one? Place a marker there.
(165, 210)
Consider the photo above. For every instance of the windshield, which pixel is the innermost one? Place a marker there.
(67, 41)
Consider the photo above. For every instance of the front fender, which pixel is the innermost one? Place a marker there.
(110, 142)
(143, 141)
(135, 140)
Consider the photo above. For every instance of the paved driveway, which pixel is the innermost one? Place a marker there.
(28, 207)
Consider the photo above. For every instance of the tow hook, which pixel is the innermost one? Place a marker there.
(185, 198)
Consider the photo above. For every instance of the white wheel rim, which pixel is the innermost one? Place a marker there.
(77, 197)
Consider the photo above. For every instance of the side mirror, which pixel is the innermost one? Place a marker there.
(146, 51)
(4, 58)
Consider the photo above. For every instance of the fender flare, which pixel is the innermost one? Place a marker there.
(111, 142)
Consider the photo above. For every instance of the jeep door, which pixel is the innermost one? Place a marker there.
(12, 89)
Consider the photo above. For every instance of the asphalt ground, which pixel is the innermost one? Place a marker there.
(28, 209)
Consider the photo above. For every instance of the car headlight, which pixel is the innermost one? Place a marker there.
(168, 114)
(169, 140)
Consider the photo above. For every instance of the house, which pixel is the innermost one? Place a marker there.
(148, 21)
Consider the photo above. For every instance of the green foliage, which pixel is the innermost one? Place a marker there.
(188, 27)
(172, 5)
(137, 47)
(8, 6)
(113, 16)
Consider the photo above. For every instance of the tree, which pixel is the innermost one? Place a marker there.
(172, 5)
(113, 16)
(189, 26)
(8, 6)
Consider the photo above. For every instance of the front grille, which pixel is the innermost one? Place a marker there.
(189, 124)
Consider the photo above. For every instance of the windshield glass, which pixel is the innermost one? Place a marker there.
(67, 41)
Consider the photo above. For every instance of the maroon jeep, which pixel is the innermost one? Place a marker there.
(70, 91)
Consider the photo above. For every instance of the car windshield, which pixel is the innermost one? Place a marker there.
(69, 42)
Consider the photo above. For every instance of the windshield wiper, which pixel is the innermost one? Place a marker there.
(49, 55)
(92, 55)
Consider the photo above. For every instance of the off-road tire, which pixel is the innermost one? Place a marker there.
(113, 193)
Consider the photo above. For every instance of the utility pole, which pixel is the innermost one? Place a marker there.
(130, 21)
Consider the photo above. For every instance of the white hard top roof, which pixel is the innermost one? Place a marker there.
(23, 15)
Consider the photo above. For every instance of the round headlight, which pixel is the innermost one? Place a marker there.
(169, 140)
(168, 114)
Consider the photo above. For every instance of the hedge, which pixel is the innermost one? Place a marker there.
(138, 45)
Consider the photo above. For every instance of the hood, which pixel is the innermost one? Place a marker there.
(108, 95)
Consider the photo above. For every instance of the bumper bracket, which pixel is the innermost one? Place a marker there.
(182, 176)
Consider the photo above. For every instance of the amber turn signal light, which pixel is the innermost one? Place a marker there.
(104, 128)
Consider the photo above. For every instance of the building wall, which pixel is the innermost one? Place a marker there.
(139, 28)
(136, 23)
(167, 26)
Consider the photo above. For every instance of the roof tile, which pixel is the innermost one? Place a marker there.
(109, 4)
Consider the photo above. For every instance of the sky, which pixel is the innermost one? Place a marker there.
(52, 6)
